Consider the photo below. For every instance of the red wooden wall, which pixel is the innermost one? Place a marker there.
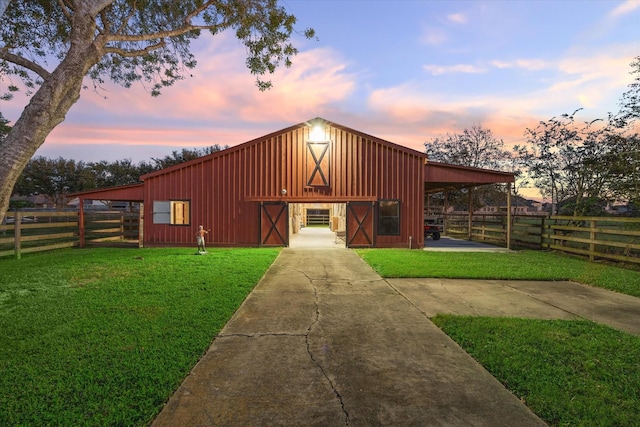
(225, 188)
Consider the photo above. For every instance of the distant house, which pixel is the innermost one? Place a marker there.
(618, 209)
(37, 201)
(256, 193)
(95, 205)
(515, 210)
(88, 204)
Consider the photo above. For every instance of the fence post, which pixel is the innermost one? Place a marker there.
(470, 210)
(592, 238)
(122, 226)
(16, 235)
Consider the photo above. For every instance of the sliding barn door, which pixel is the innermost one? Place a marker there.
(360, 221)
(274, 224)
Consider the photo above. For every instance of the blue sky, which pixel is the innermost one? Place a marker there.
(402, 70)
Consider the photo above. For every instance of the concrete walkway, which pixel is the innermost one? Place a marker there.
(323, 340)
(509, 298)
(450, 244)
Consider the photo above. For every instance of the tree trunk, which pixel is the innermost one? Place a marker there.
(47, 109)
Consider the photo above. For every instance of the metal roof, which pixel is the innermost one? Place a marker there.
(442, 176)
(124, 193)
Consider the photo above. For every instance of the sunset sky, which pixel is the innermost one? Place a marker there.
(405, 71)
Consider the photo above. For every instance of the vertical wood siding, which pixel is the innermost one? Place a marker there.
(225, 188)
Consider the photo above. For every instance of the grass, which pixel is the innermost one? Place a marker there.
(523, 265)
(104, 336)
(570, 373)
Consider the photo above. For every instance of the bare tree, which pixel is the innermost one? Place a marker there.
(476, 147)
(52, 45)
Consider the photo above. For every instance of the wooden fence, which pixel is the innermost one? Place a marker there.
(611, 238)
(25, 232)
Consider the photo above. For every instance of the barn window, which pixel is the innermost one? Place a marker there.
(389, 217)
(171, 212)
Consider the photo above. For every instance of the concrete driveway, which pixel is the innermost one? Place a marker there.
(324, 341)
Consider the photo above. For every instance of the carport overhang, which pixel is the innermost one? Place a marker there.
(443, 177)
(123, 193)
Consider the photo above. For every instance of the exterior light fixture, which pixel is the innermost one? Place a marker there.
(316, 133)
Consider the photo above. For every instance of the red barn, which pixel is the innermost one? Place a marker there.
(257, 193)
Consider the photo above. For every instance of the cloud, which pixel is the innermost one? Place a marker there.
(611, 21)
(437, 70)
(433, 36)
(527, 64)
(457, 18)
(319, 79)
(219, 103)
(624, 8)
(591, 81)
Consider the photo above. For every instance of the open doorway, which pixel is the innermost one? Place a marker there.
(317, 225)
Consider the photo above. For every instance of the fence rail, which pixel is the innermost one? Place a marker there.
(317, 219)
(35, 231)
(611, 238)
(595, 237)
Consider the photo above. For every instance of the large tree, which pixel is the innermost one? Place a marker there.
(52, 45)
(476, 147)
(186, 154)
(630, 101)
(4, 127)
(567, 163)
(55, 179)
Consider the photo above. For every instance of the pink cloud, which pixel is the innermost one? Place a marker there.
(458, 18)
(624, 8)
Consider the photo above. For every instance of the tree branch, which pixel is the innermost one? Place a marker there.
(161, 34)
(65, 9)
(125, 21)
(205, 5)
(23, 62)
(134, 53)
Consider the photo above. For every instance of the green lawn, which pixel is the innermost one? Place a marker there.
(570, 373)
(523, 265)
(104, 336)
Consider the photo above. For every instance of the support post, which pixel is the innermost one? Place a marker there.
(508, 215)
(470, 210)
(445, 219)
(141, 226)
